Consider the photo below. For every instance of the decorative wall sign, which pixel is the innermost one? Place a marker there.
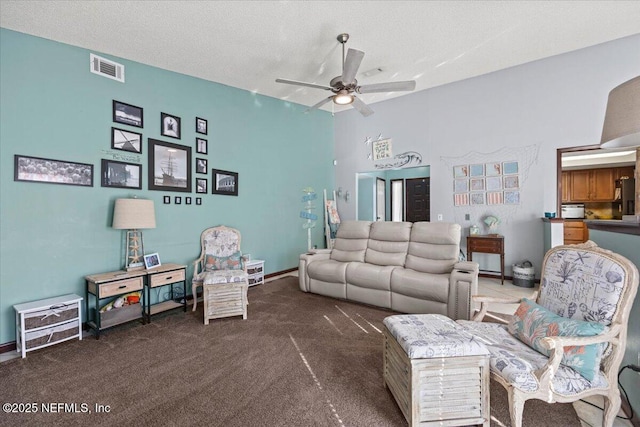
(49, 171)
(126, 140)
(169, 166)
(381, 149)
(127, 114)
(400, 160)
(121, 175)
(169, 125)
(224, 182)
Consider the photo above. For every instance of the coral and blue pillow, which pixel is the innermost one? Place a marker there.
(532, 322)
(231, 262)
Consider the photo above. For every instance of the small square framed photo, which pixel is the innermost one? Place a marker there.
(201, 146)
(152, 261)
(127, 114)
(224, 182)
(187, 200)
(201, 126)
(126, 140)
(201, 165)
(177, 200)
(198, 200)
(170, 125)
(201, 185)
(166, 200)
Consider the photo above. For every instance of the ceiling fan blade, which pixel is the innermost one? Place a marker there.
(362, 107)
(351, 65)
(319, 104)
(387, 87)
(294, 82)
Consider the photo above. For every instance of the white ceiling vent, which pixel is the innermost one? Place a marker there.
(106, 68)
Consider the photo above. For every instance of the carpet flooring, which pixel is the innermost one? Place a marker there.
(298, 360)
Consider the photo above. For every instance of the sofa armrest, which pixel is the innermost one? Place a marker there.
(463, 284)
(306, 259)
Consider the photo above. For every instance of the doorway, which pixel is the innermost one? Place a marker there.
(418, 199)
(381, 199)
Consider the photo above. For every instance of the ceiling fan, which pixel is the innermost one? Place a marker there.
(345, 86)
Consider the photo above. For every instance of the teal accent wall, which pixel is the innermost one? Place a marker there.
(51, 106)
(626, 245)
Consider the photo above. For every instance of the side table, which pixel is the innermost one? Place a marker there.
(165, 275)
(488, 244)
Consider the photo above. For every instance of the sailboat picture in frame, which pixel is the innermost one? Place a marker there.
(169, 166)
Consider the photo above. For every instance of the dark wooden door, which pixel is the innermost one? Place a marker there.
(418, 206)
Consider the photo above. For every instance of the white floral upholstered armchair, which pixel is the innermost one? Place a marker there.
(220, 263)
(568, 343)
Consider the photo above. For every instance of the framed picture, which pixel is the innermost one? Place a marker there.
(36, 169)
(510, 168)
(152, 261)
(460, 185)
(177, 200)
(187, 200)
(127, 114)
(198, 200)
(201, 185)
(461, 171)
(126, 140)
(121, 175)
(511, 197)
(493, 183)
(461, 199)
(201, 165)
(493, 169)
(477, 184)
(201, 146)
(511, 181)
(476, 170)
(381, 149)
(169, 166)
(224, 182)
(201, 126)
(169, 125)
(477, 198)
(166, 200)
(495, 198)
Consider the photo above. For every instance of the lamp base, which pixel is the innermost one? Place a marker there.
(135, 267)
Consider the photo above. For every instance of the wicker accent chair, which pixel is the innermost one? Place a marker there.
(220, 263)
(579, 319)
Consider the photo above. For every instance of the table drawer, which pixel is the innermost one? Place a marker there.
(167, 278)
(486, 246)
(120, 287)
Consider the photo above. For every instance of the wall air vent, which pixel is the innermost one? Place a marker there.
(106, 68)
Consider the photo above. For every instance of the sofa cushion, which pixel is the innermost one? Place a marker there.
(388, 242)
(532, 322)
(432, 287)
(433, 247)
(369, 275)
(351, 241)
(328, 270)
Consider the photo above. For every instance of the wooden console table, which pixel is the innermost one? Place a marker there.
(488, 245)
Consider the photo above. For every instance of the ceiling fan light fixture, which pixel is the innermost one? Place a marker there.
(343, 98)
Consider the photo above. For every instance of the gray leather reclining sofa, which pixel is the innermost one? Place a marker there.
(406, 267)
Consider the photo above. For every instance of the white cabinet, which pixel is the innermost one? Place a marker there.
(255, 270)
(46, 322)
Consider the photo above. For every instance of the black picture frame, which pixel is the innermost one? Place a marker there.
(128, 114)
(202, 146)
(201, 166)
(166, 200)
(202, 185)
(224, 182)
(117, 174)
(187, 200)
(201, 125)
(169, 166)
(51, 171)
(126, 140)
(198, 200)
(170, 125)
(177, 200)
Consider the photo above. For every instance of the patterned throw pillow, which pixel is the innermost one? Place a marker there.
(532, 322)
(232, 262)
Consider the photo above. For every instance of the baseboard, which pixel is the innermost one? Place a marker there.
(11, 345)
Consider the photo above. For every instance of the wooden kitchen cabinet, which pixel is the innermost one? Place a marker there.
(575, 231)
(602, 185)
(624, 172)
(589, 185)
(566, 187)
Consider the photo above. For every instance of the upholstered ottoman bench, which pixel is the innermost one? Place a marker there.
(437, 372)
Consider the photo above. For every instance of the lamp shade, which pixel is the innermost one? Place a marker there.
(622, 119)
(131, 214)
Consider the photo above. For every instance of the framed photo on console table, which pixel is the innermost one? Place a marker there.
(169, 166)
(36, 169)
(224, 182)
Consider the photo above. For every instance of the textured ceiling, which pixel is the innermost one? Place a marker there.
(250, 44)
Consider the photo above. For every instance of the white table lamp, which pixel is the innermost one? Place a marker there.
(134, 215)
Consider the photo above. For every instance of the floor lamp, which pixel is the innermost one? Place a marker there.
(134, 215)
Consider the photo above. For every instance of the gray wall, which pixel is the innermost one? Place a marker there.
(522, 113)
